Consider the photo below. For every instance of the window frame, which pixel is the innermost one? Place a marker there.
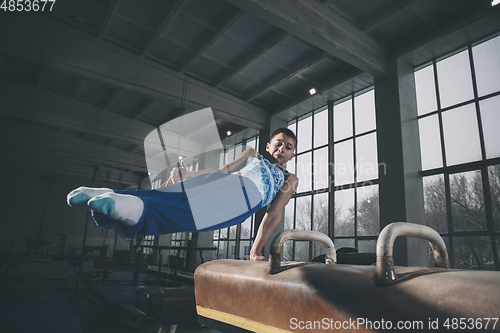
(482, 165)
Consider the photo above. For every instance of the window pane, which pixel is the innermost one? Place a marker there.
(216, 234)
(237, 151)
(467, 201)
(287, 251)
(232, 232)
(289, 211)
(244, 250)
(304, 135)
(368, 211)
(430, 143)
(366, 157)
(490, 119)
(301, 251)
(342, 120)
(320, 213)
(303, 211)
(214, 253)
(223, 233)
(340, 243)
(455, 80)
(364, 112)
(321, 128)
(487, 66)
(251, 144)
(367, 246)
(494, 177)
(435, 203)
(461, 135)
(229, 155)
(498, 245)
(221, 159)
(232, 250)
(321, 168)
(246, 228)
(304, 171)
(222, 250)
(290, 166)
(344, 213)
(426, 90)
(344, 163)
(473, 253)
(318, 250)
(320, 221)
(292, 127)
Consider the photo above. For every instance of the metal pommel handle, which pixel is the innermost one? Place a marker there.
(275, 252)
(385, 262)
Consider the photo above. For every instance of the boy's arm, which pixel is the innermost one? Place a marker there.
(182, 173)
(273, 217)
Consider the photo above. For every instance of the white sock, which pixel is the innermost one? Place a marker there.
(80, 196)
(121, 207)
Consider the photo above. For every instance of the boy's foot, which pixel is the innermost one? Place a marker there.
(121, 207)
(80, 197)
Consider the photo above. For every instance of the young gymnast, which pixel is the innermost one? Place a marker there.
(203, 200)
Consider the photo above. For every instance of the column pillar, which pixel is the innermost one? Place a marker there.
(400, 184)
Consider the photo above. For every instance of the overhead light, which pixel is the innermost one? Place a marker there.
(495, 2)
(313, 91)
(228, 133)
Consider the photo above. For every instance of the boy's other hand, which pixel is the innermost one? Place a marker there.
(257, 257)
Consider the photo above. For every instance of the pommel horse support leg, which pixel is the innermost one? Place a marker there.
(169, 306)
(239, 296)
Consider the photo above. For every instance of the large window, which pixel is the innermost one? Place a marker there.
(308, 209)
(235, 241)
(458, 100)
(356, 211)
(355, 185)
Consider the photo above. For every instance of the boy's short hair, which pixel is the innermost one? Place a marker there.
(285, 131)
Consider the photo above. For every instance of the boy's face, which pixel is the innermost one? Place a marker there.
(281, 147)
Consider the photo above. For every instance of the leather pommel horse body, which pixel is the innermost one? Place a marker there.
(236, 295)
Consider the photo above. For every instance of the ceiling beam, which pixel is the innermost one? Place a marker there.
(275, 81)
(230, 20)
(144, 108)
(113, 4)
(175, 7)
(382, 16)
(78, 89)
(41, 75)
(348, 75)
(260, 49)
(464, 21)
(48, 43)
(335, 8)
(46, 107)
(313, 22)
(35, 141)
(22, 157)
